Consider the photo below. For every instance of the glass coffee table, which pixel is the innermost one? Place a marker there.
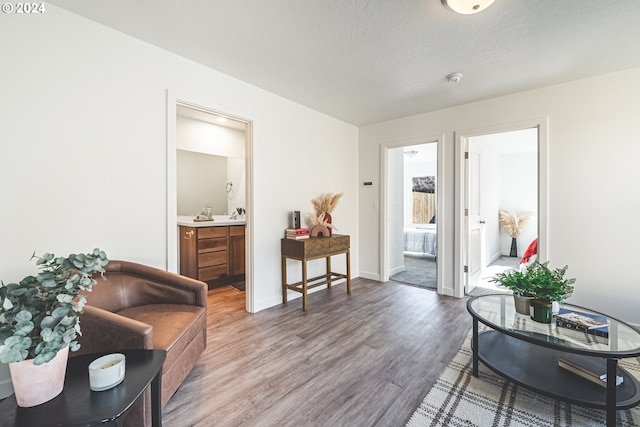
(526, 352)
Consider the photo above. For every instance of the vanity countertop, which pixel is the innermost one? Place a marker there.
(218, 221)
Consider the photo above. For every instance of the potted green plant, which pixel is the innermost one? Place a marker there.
(536, 288)
(520, 284)
(547, 286)
(39, 321)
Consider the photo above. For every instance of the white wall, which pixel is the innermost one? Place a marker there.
(201, 180)
(519, 193)
(202, 137)
(592, 163)
(83, 161)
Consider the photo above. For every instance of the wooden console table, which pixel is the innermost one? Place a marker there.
(313, 248)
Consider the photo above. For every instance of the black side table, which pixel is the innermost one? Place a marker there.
(79, 405)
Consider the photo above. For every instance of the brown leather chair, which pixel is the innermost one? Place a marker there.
(140, 307)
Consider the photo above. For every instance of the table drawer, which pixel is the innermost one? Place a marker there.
(339, 243)
(314, 246)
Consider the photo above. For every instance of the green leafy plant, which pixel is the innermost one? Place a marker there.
(39, 315)
(538, 282)
(517, 282)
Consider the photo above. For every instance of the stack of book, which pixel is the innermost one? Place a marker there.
(591, 368)
(583, 322)
(296, 233)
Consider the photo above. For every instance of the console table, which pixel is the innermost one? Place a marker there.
(304, 250)
(526, 352)
(79, 405)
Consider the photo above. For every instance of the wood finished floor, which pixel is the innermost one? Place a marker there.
(365, 359)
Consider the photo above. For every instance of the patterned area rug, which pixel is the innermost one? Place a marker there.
(460, 399)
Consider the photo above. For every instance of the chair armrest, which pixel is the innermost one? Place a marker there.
(106, 331)
(161, 286)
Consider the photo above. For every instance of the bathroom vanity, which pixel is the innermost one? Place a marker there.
(212, 251)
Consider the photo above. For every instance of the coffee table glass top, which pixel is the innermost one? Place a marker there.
(498, 312)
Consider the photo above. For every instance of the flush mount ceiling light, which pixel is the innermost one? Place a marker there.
(467, 7)
(410, 153)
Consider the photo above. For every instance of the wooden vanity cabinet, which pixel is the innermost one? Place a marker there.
(236, 250)
(212, 253)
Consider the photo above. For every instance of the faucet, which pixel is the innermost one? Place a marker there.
(234, 215)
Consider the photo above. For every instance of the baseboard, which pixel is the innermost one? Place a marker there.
(370, 276)
(397, 270)
(494, 258)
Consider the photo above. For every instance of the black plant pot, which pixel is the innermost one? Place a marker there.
(514, 247)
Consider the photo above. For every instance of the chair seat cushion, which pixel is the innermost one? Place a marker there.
(174, 326)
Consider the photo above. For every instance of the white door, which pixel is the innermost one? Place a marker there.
(473, 222)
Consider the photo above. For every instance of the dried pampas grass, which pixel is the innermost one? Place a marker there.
(320, 220)
(512, 223)
(325, 203)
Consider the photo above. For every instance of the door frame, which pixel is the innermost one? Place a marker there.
(461, 139)
(174, 99)
(384, 198)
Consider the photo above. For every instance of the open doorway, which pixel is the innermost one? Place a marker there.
(209, 169)
(413, 251)
(411, 221)
(501, 170)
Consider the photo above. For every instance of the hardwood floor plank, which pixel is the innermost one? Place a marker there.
(365, 359)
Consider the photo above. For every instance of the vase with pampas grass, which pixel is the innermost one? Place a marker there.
(323, 205)
(513, 225)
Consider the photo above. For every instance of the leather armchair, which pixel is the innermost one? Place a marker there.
(141, 307)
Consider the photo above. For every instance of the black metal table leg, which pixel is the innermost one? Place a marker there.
(156, 402)
(474, 345)
(612, 365)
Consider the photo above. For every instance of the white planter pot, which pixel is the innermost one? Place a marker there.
(6, 388)
(35, 385)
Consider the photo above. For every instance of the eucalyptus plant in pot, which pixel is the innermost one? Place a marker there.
(39, 322)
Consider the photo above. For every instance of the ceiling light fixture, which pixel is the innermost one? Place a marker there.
(467, 7)
(410, 153)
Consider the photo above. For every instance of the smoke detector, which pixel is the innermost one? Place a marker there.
(454, 77)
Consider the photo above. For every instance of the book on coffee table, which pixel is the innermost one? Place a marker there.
(592, 369)
(585, 322)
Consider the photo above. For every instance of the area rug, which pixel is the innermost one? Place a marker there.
(460, 399)
(419, 271)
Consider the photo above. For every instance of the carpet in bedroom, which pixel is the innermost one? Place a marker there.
(419, 271)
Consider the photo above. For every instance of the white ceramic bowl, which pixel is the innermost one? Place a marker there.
(106, 372)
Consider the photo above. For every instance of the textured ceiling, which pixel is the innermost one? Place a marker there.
(366, 61)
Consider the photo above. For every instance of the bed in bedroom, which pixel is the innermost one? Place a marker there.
(422, 239)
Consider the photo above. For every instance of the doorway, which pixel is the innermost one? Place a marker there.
(412, 216)
(419, 168)
(236, 190)
(500, 169)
